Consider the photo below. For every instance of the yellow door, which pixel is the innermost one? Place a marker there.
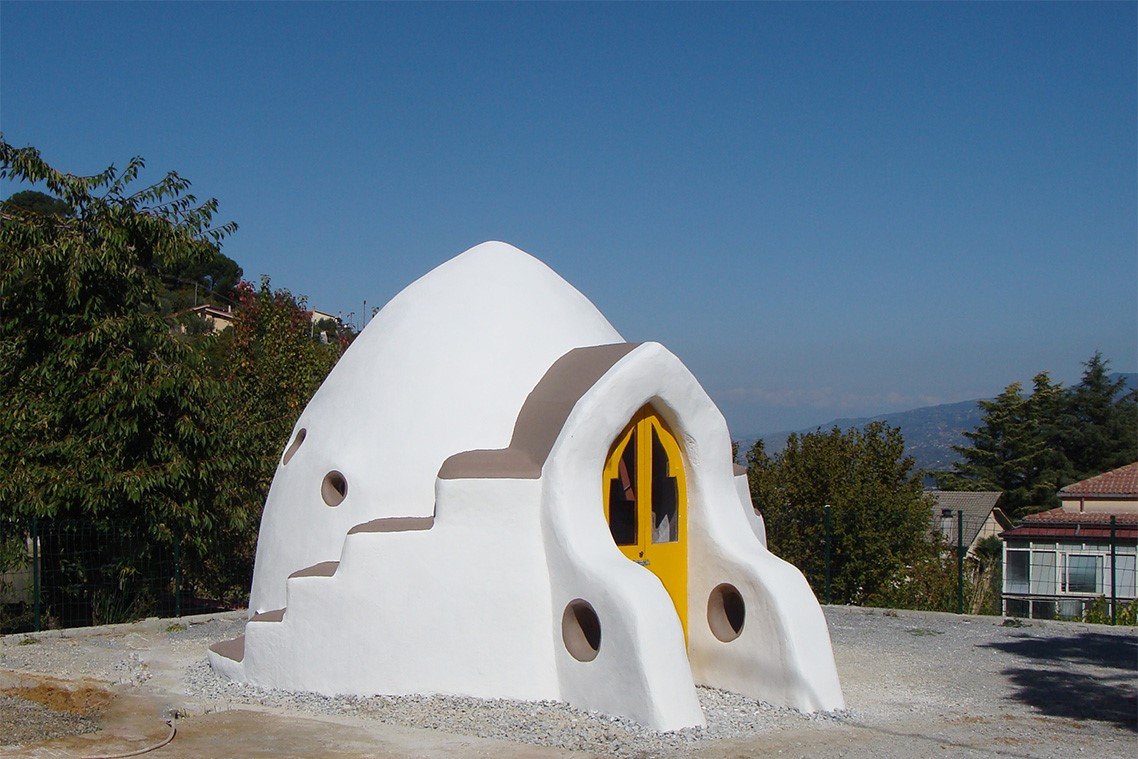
(646, 503)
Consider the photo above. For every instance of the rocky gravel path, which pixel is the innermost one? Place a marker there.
(916, 684)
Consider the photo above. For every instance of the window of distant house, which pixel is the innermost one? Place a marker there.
(1084, 574)
(1018, 568)
(1124, 575)
(1043, 572)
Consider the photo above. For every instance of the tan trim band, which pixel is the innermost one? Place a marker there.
(394, 524)
(230, 649)
(323, 569)
(542, 416)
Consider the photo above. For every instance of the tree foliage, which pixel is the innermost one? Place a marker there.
(271, 364)
(114, 421)
(1029, 446)
(881, 518)
(217, 275)
(105, 415)
(102, 410)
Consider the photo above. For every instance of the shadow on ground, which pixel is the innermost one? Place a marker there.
(1052, 683)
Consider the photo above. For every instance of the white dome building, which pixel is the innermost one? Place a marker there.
(493, 495)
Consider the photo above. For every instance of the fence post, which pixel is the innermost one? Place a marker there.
(829, 531)
(1113, 556)
(960, 561)
(36, 570)
(177, 573)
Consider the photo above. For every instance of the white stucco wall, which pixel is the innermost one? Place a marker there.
(784, 653)
(443, 368)
(472, 602)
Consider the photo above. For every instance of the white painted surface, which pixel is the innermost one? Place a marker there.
(474, 605)
(754, 518)
(443, 368)
(784, 654)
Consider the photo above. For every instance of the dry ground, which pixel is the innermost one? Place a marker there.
(916, 684)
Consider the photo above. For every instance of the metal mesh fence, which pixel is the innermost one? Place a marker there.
(72, 573)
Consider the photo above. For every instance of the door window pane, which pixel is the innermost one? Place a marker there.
(1015, 580)
(1043, 573)
(1084, 574)
(1124, 576)
(622, 497)
(665, 496)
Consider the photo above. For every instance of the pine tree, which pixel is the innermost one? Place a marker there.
(1007, 451)
(1101, 429)
(1031, 447)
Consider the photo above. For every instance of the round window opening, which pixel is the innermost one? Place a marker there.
(334, 488)
(581, 630)
(726, 612)
(296, 441)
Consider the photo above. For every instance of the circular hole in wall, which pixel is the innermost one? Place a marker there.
(296, 441)
(581, 630)
(334, 488)
(726, 612)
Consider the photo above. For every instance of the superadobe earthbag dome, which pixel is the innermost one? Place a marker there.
(494, 495)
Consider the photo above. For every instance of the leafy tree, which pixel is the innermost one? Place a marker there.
(271, 364)
(880, 515)
(106, 416)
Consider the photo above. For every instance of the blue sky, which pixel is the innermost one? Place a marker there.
(824, 210)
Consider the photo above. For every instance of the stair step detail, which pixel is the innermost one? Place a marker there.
(231, 649)
(394, 524)
(276, 615)
(323, 569)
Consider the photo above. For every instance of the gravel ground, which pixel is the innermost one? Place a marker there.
(916, 684)
(541, 723)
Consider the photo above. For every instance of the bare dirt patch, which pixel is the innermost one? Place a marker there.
(81, 700)
(37, 709)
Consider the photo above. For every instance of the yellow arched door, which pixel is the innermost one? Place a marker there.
(646, 503)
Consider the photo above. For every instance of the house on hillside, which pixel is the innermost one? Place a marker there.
(217, 318)
(982, 516)
(1059, 561)
(320, 316)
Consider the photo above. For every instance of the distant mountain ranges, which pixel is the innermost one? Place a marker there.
(929, 432)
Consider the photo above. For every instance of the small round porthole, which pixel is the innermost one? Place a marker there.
(581, 630)
(296, 441)
(726, 612)
(334, 488)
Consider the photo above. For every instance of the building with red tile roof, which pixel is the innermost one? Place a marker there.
(1058, 561)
